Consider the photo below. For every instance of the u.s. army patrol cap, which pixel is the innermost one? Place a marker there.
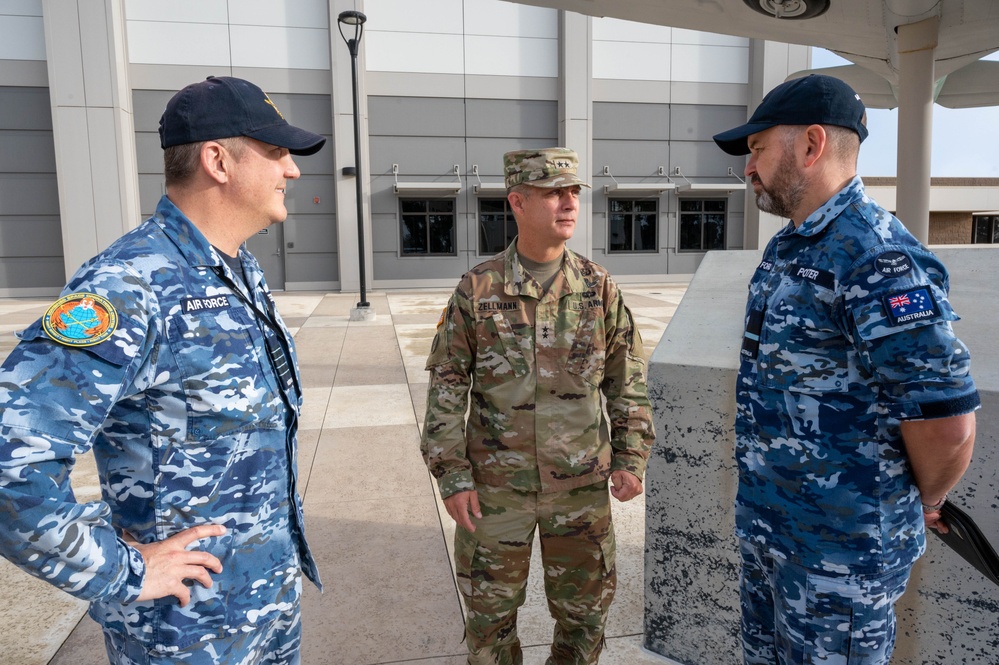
(545, 167)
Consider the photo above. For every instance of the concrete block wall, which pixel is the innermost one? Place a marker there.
(948, 614)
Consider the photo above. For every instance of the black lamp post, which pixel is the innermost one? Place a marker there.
(356, 19)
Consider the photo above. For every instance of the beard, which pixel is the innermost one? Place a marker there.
(786, 189)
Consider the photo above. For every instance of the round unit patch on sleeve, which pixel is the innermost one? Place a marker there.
(893, 264)
(80, 319)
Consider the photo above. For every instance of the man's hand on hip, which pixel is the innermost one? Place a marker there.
(460, 505)
(169, 564)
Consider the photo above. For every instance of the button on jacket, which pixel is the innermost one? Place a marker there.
(537, 365)
(848, 332)
(192, 418)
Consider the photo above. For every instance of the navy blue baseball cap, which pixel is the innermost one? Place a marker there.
(222, 107)
(815, 99)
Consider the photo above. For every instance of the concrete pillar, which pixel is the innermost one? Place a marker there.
(343, 146)
(691, 558)
(917, 44)
(575, 104)
(770, 63)
(92, 124)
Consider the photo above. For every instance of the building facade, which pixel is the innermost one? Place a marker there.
(445, 87)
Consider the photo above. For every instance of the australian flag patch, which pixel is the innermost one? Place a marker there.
(912, 305)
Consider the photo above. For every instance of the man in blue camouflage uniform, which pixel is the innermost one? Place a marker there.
(531, 343)
(855, 411)
(166, 357)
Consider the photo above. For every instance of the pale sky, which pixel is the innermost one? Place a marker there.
(965, 141)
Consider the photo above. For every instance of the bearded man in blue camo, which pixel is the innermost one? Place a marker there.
(855, 402)
(166, 356)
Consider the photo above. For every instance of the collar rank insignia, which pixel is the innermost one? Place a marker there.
(80, 319)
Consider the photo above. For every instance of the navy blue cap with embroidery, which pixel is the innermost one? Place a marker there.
(815, 99)
(222, 107)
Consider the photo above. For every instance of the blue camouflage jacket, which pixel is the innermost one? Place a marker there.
(184, 384)
(848, 332)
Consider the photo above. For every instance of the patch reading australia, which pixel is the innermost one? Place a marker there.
(80, 319)
(213, 304)
(893, 264)
(912, 305)
(497, 306)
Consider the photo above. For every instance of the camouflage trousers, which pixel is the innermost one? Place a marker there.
(577, 554)
(798, 616)
(276, 643)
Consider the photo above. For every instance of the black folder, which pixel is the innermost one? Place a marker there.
(967, 539)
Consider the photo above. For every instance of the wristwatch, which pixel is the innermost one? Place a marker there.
(935, 508)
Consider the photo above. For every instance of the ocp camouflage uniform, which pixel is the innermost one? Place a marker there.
(848, 332)
(531, 368)
(191, 408)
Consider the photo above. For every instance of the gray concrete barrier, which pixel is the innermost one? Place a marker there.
(950, 612)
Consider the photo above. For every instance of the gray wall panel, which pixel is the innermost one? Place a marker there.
(416, 116)
(488, 153)
(148, 154)
(619, 120)
(699, 122)
(308, 232)
(417, 156)
(25, 151)
(315, 267)
(703, 159)
(524, 118)
(301, 194)
(29, 194)
(150, 191)
(32, 273)
(30, 236)
(629, 161)
(25, 108)
(147, 107)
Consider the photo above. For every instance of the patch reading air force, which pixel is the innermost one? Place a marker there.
(893, 264)
(80, 319)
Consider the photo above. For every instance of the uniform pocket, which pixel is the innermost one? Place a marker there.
(223, 378)
(589, 348)
(502, 354)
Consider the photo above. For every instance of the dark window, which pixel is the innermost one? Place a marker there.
(985, 229)
(428, 227)
(497, 228)
(702, 224)
(633, 225)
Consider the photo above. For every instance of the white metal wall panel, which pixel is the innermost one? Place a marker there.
(421, 16)
(460, 37)
(293, 14)
(499, 18)
(22, 37)
(511, 56)
(279, 47)
(637, 61)
(186, 11)
(710, 64)
(616, 30)
(166, 43)
(413, 52)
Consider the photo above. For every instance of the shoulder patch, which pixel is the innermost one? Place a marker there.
(911, 305)
(80, 319)
(893, 264)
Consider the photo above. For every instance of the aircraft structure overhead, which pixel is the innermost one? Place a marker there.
(906, 53)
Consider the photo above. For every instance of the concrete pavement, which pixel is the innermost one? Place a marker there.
(374, 519)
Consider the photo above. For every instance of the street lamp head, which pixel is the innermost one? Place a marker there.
(351, 17)
(355, 19)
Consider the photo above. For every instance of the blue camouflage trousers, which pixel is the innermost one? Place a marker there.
(276, 643)
(577, 554)
(798, 616)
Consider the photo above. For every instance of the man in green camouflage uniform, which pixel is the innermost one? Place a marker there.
(537, 337)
